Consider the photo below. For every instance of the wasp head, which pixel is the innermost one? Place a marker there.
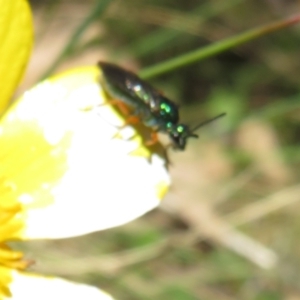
(179, 133)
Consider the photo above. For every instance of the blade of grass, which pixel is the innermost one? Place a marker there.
(160, 38)
(217, 48)
(95, 13)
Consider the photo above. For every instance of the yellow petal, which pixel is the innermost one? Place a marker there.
(5, 281)
(16, 41)
(33, 287)
(67, 157)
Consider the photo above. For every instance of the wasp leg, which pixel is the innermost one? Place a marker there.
(131, 117)
(121, 106)
(124, 109)
(130, 120)
(153, 139)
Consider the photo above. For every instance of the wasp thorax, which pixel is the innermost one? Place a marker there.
(168, 110)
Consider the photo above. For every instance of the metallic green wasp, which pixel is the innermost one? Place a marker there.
(154, 109)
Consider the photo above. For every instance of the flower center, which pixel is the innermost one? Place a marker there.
(10, 227)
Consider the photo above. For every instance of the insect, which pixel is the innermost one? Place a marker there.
(152, 107)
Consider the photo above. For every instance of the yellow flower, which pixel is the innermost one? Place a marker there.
(69, 164)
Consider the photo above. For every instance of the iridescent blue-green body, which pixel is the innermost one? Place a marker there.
(155, 110)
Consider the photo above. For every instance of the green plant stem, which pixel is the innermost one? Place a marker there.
(95, 13)
(216, 48)
(157, 39)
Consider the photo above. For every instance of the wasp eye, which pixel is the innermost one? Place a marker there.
(165, 107)
(180, 128)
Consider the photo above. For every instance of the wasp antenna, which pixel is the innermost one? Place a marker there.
(208, 121)
(194, 135)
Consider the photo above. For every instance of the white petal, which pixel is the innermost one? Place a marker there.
(65, 158)
(26, 286)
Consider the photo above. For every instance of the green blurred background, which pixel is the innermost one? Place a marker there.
(229, 228)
